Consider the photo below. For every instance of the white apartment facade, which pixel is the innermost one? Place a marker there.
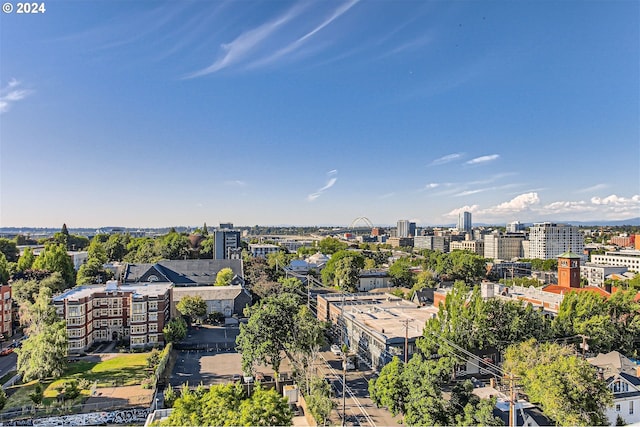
(548, 240)
(629, 259)
(505, 246)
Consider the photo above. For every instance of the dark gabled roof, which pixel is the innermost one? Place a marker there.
(198, 272)
(632, 379)
(424, 296)
(626, 395)
(535, 413)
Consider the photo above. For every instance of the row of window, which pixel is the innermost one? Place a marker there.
(630, 407)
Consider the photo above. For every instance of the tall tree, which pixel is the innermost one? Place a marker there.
(54, 258)
(194, 307)
(389, 389)
(9, 249)
(43, 354)
(26, 260)
(400, 272)
(175, 330)
(4, 269)
(566, 387)
(224, 277)
(264, 337)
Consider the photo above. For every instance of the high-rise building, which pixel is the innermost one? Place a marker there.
(403, 228)
(548, 240)
(464, 222)
(227, 244)
(515, 227)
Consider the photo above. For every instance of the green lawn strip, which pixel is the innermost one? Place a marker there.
(123, 370)
(6, 377)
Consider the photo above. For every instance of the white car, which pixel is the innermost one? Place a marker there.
(335, 349)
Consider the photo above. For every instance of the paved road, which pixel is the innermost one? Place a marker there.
(359, 408)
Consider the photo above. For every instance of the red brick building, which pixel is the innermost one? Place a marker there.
(102, 313)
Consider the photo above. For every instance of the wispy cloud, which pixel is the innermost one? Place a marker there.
(236, 183)
(593, 188)
(247, 42)
(332, 177)
(298, 43)
(386, 196)
(446, 159)
(11, 94)
(482, 159)
(432, 185)
(519, 203)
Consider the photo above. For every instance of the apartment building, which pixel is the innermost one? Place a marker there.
(100, 313)
(475, 246)
(548, 240)
(597, 273)
(6, 311)
(259, 250)
(624, 258)
(506, 246)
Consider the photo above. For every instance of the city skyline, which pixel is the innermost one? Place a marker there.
(152, 114)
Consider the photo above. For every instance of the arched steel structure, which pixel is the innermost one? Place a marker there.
(361, 219)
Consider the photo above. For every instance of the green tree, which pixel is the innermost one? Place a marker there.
(331, 245)
(4, 269)
(206, 247)
(319, 400)
(9, 249)
(566, 386)
(263, 339)
(37, 395)
(174, 246)
(265, 408)
(175, 330)
(26, 260)
(93, 271)
(224, 277)
(400, 272)
(467, 266)
(54, 258)
(389, 390)
(44, 354)
(116, 246)
(194, 307)
(3, 398)
(27, 290)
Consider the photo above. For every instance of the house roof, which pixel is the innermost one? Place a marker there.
(197, 272)
(614, 363)
(208, 293)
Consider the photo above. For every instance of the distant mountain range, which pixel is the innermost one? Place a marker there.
(50, 230)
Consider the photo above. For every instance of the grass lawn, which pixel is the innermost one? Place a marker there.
(123, 370)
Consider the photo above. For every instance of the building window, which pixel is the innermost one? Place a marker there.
(153, 305)
(153, 317)
(138, 308)
(138, 340)
(73, 312)
(153, 327)
(153, 338)
(617, 407)
(139, 318)
(630, 407)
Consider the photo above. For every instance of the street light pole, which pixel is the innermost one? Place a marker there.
(344, 387)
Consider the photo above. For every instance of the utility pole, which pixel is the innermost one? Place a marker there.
(308, 292)
(344, 386)
(584, 346)
(406, 338)
(512, 402)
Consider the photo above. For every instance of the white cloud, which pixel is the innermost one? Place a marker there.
(519, 203)
(614, 200)
(593, 188)
(445, 159)
(567, 207)
(247, 42)
(431, 185)
(483, 159)
(332, 178)
(456, 212)
(292, 47)
(11, 94)
(386, 196)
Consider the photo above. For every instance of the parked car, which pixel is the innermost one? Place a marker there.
(7, 351)
(236, 378)
(335, 349)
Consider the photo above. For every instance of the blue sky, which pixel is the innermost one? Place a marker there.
(150, 113)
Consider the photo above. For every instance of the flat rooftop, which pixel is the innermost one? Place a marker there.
(149, 289)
